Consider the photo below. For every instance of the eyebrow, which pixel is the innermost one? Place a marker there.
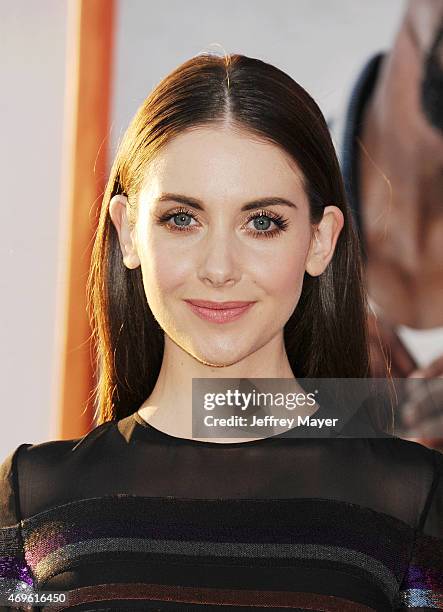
(198, 204)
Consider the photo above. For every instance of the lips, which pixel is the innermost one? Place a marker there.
(219, 312)
(218, 305)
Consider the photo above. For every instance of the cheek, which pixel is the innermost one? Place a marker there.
(163, 270)
(286, 273)
(281, 272)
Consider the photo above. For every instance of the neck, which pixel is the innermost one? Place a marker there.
(169, 407)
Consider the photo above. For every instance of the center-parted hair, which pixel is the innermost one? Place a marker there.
(326, 335)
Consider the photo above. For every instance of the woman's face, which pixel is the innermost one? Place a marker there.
(202, 234)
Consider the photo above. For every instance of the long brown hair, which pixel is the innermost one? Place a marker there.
(326, 336)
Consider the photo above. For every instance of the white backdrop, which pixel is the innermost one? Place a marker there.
(32, 81)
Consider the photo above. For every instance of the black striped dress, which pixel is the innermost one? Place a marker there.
(131, 518)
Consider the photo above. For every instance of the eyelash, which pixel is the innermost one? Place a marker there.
(279, 221)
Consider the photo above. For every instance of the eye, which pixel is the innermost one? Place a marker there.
(181, 222)
(263, 220)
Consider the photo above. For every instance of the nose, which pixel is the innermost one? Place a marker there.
(218, 263)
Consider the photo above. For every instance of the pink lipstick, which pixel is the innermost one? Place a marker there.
(219, 312)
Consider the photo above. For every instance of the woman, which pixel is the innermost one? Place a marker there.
(226, 188)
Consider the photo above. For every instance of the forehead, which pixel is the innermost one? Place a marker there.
(211, 162)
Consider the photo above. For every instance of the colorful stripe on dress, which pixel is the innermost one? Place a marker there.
(282, 545)
(15, 575)
(199, 597)
(423, 583)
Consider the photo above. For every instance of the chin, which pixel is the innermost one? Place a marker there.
(211, 364)
(216, 357)
(214, 361)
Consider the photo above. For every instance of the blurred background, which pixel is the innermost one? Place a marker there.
(73, 73)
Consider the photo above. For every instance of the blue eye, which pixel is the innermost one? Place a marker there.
(181, 217)
(262, 221)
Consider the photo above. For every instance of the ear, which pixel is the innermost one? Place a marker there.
(324, 240)
(118, 207)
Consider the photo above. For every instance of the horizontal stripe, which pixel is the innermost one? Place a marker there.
(54, 535)
(305, 521)
(303, 576)
(73, 554)
(255, 511)
(188, 595)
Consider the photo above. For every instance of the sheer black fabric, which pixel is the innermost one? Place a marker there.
(129, 518)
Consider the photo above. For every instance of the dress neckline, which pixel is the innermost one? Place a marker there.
(161, 435)
(271, 440)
